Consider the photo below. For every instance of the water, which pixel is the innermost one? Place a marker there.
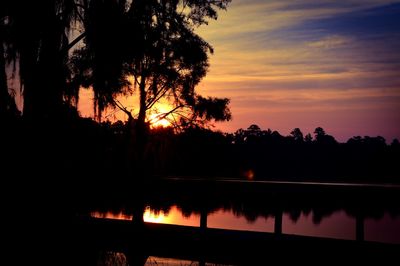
(338, 224)
(356, 212)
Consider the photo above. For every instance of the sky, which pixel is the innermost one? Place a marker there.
(307, 64)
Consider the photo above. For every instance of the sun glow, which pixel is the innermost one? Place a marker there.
(154, 217)
(157, 116)
(173, 216)
(156, 121)
(150, 215)
(111, 215)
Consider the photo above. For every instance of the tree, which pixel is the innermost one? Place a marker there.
(38, 41)
(254, 130)
(308, 138)
(355, 140)
(322, 138)
(7, 103)
(153, 41)
(395, 143)
(143, 46)
(297, 135)
(162, 57)
(319, 133)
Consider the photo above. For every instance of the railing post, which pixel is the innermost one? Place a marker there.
(278, 221)
(203, 220)
(203, 229)
(359, 227)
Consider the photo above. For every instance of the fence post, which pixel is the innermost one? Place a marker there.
(278, 221)
(359, 227)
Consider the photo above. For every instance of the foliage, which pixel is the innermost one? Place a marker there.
(63, 45)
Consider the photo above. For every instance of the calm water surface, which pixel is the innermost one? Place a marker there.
(336, 225)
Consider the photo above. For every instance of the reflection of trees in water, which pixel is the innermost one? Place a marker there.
(266, 202)
(294, 215)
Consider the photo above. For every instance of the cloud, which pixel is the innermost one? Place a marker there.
(274, 40)
(330, 42)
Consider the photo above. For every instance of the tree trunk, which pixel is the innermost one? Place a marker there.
(3, 83)
(140, 134)
(142, 92)
(141, 128)
(44, 64)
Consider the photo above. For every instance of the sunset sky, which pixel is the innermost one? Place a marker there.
(309, 63)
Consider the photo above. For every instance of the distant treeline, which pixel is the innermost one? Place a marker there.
(258, 154)
(83, 153)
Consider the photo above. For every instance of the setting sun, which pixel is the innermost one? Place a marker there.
(156, 115)
(155, 121)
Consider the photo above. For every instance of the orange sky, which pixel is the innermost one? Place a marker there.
(287, 64)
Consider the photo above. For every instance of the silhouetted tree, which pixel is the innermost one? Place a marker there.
(356, 140)
(322, 138)
(378, 141)
(395, 143)
(4, 95)
(297, 135)
(319, 133)
(239, 136)
(7, 103)
(163, 57)
(150, 40)
(308, 138)
(39, 43)
(254, 130)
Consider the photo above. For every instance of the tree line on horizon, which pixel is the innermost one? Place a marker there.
(257, 154)
(254, 153)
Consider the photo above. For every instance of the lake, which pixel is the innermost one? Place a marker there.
(367, 213)
(338, 224)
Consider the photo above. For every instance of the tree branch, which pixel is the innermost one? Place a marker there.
(156, 98)
(74, 42)
(123, 108)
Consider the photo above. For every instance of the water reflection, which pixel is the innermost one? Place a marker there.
(338, 224)
(366, 213)
(153, 261)
(120, 215)
(227, 219)
(384, 229)
(172, 215)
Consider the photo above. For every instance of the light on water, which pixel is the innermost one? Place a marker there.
(338, 224)
(173, 216)
(111, 215)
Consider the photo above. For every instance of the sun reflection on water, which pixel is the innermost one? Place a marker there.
(111, 215)
(174, 215)
(152, 216)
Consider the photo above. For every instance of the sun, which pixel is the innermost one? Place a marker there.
(155, 121)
